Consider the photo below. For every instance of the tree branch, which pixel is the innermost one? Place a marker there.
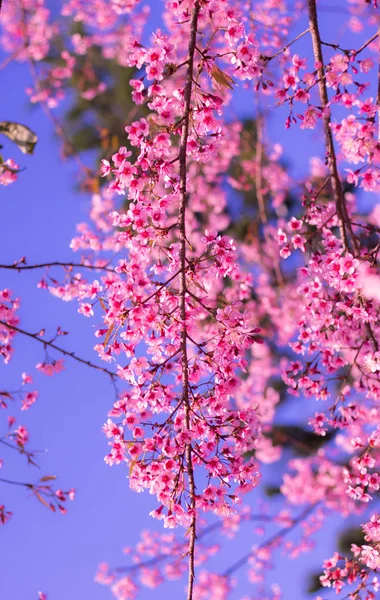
(182, 291)
(331, 155)
(11, 482)
(378, 94)
(299, 36)
(260, 196)
(277, 536)
(35, 336)
(24, 267)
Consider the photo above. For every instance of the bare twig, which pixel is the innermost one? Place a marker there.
(11, 57)
(299, 36)
(352, 52)
(23, 267)
(12, 482)
(46, 343)
(274, 538)
(367, 43)
(213, 527)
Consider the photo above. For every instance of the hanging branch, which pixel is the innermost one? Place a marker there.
(378, 91)
(260, 196)
(274, 538)
(345, 223)
(182, 290)
(331, 155)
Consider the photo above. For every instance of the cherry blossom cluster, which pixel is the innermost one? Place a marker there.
(218, 338)
(16, 436)
(341, 571)
(8, 171)
(153, 562)
(8, 316)
(27, 32)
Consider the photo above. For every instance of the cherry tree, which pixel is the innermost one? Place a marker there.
(208, 321)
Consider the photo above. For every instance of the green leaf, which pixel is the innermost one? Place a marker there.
(249, 454)
(314, 583)
(272, 490)
(21, 135)
(351, 535)
(302, 441)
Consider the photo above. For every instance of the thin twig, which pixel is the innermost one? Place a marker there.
(213, 527)
(276, 536)
(300, 35)
(260, 196)
(48, 344)
(11, 57)
(23, 267)
(367, 43)
(11, 482)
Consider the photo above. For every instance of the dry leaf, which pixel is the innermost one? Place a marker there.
(21, 135)
(42, 500)
(48, 478)
(108, 334)
(221, 79)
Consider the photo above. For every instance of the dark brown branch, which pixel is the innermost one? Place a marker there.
(299, 36)
(378, 94)
(161, 286)
(24, 267)
(371, 336)
(11, 482)
(182, 291)
(260, 195)
(331, 155)
(352, 52)
(345, 222)
(367, 43)
(48, 344)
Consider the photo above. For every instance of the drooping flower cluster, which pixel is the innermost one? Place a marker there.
(8, 171)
